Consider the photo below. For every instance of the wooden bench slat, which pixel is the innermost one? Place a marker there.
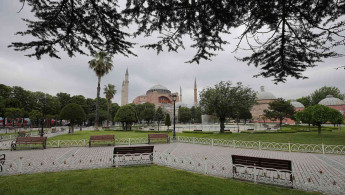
(158, 136)
(99, 138)
(29, 140)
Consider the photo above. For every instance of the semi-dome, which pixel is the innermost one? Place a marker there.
(159, 88)
(331, 101)
(265, 95)
(296, 104)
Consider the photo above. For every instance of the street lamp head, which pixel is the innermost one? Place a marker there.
(174, 97)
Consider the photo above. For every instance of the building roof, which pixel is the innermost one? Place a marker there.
(331, 101)
(265, 95)
(159, 88)
(296, 104)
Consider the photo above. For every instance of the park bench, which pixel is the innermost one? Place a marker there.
(54, 130)
(101, 138)
(21, 134)
(197, 129)
(132, 155)
(29, 140)
(106, 127)
(158, 137)
(276, 169)
(2, 161)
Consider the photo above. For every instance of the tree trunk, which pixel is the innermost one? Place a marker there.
(309, 126)
(72, 128)
(158, 126)
(97, 102)
(108, 113)
(238, 126)
(280, 123)
(319, 130)
(222, 126)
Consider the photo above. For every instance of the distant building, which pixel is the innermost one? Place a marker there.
(158, 95)
(334, 103)
(263, 99)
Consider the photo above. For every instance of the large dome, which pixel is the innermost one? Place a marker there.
(331, 101)
(265, 95)
(296, 104)
(159, 88)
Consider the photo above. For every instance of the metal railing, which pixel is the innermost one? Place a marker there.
(304, 180)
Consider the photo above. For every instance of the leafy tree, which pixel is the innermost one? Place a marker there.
(196, 114)
(321, 94)
(101, 65)
(64, 99)
(114, 107)
(90, 108)
(52, 105)
(159, 116)
(184, 114)
(285, 37)
(245, 115)
(167, 121)
(109, 92)
(320, 114)
(78, 99)
(224, 100)
(279, 109)
(139, 108)
(305, 116)
(306, 101)
(148, 114)
(74, 113)
(35, 116)
(5, 91)
(74, 26)
(335, 117)
(126, 115)
(14, 113)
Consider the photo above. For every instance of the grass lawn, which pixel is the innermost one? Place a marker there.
(335, 137)
(131, 180)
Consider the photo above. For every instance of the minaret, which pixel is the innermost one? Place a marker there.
(180, 94)
(124, 91)
(195, 94)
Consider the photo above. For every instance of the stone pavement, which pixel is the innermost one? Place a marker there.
(303, 163)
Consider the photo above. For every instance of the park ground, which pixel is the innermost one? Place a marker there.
(132, 180)
(292, 134)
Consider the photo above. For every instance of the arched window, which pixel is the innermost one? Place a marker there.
(164, 100)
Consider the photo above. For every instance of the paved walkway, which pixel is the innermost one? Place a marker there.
(331, 165)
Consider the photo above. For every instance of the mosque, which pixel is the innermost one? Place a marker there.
(265, 97)
(158, 95)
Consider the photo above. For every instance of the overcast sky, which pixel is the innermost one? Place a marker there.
(73, 76)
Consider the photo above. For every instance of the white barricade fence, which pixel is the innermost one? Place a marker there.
(274, 146)
(215, 166)
(288, 147)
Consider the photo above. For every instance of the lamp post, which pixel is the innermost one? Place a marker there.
(44, 101)
(174, 97)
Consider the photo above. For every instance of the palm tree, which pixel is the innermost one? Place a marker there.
(109, 92)
(102, 65)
